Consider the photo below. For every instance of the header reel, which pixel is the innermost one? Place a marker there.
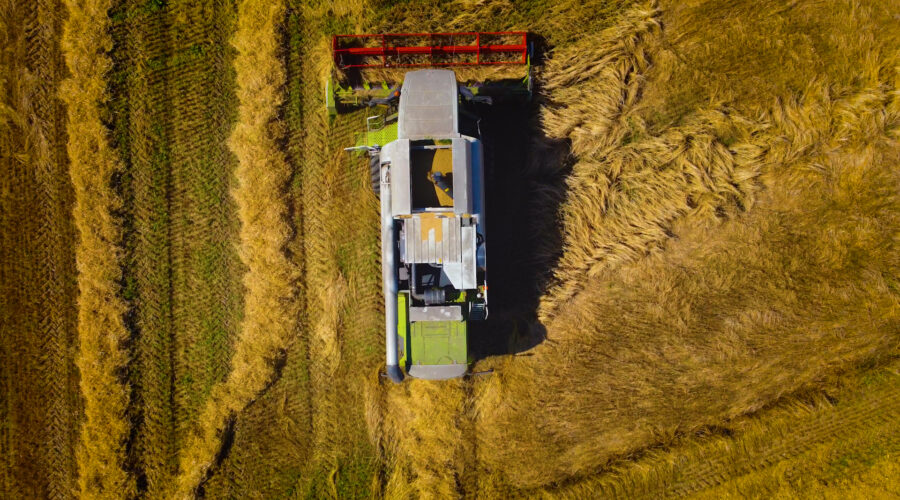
(369, 68)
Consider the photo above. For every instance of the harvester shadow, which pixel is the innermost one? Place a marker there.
(525, 176)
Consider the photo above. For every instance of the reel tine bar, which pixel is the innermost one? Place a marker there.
(365, 51)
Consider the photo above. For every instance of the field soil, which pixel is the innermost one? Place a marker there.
(692, 243)
(40, 404)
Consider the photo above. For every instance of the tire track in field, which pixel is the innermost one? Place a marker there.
(172, 116)
(144, 145)
(876, 408)
(770, 439)
(320, 272)
(17, 269)
(207, 293)
(341, 305)
(55, 237)
(37, 269)
(320, 181)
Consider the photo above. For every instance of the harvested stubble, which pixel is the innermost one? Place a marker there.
(341, 281)
(101, 330)
(325, 215)
(38, 381)
(206, 270)
(429, 440)
(171, 111)
(270, 309)
(144, 147)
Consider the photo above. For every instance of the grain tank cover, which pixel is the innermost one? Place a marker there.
(428, 105)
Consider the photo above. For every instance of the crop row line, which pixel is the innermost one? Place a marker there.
(101, 329)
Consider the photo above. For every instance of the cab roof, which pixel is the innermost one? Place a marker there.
(428, 105)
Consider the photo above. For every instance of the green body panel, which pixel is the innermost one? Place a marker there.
(382, 136)
(438, 343)
(402, 327)
(329, 99)
(336, 94)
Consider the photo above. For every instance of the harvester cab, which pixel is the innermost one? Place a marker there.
(427, 167)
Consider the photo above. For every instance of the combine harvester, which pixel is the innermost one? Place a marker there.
(427, 167)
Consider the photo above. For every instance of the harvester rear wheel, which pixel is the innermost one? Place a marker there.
(375, 173)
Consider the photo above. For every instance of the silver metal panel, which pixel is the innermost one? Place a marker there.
(454, 249)
(411, 228)
(436, 247)
(462, 173)
(437, 372)
(397, 152)
(435, 313)
(428, 105)
(453, 273)
(467, 258)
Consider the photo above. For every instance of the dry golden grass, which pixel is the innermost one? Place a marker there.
(589, 86)
(325, 353)
(742, 308)
(720, 325)
(729, 241)
(270, 309)
(627, 189)
(834, 443)
(747, 54)
(622, 202)
(101, 329)
(463, 74)
(428, 439)
(710, 267)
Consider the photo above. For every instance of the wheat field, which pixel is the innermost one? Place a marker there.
(696, 273)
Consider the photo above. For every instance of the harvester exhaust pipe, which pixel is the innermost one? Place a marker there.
(389, 277)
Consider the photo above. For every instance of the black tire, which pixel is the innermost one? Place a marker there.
(375, 173)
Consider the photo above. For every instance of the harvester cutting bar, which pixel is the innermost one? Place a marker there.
(429, 49)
